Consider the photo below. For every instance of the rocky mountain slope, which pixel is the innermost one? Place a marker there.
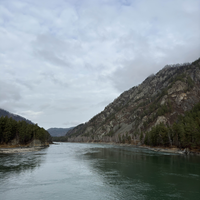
(57, 132)
(160, 98)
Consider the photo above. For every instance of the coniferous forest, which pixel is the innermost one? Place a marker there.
(184, 133)
(21, 130)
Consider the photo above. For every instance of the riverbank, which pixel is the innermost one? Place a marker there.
(174, 150)
(10, 150)
(168, 150)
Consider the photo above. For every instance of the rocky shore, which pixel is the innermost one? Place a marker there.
(19, 150)
(173, 150)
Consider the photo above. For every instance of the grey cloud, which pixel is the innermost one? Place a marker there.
(136, 70)
(9, 92)
(71, 123)
(44, 106)
(56, 51)
(50, 49)
(133, 73)
(11, 97)
(56, 80)
(26, 83)
(49, 56)
(69, 59)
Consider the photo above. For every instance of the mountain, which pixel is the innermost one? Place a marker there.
(159, 99)
(57, 132)
(15, 117)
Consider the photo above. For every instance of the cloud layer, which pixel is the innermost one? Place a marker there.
(63, 61)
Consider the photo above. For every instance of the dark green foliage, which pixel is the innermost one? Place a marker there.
(190, 82)
(129, 139)
(196, 61)
(185, 133)
(124, 138)
(111, 133)
(120, 107)
(86, 134)
(7, 133)
(180, 77)
(152, 107)
(162, 94)
(145, 124)
(162, 110)
(141, 136)
(111, 117)
(120, 139)
(183, 78)
(157, 136)
(41, 134)
(25, 132)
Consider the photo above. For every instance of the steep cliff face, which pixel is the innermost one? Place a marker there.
(159, 99)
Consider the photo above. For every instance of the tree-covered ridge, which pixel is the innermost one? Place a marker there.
(185, 133)
(21, 131)
(14, 116)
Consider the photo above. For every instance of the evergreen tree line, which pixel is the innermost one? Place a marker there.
(184, 133)
(124, 138)
(21, 130)
(60, 139)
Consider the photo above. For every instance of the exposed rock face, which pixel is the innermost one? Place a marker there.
(159, 99)
(180, 97)
(161, 119)
(177, 87)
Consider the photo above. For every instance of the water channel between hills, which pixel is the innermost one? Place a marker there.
(76, 171)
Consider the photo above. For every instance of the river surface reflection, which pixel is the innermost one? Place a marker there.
(96, 171)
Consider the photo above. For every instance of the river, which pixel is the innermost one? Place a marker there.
(74, 171)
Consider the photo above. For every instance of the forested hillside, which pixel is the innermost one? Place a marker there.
(20, 132)
(184, 133)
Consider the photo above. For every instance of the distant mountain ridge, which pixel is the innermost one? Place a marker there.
(57, 132)
(14, 116)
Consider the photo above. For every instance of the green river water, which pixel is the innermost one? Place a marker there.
(73, 171)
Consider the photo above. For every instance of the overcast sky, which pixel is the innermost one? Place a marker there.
(63, 61)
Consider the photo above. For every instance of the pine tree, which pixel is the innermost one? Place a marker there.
(7, 133)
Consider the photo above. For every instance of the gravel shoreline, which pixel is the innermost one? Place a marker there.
(156, 149)
(173, 150)
(19, 150)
